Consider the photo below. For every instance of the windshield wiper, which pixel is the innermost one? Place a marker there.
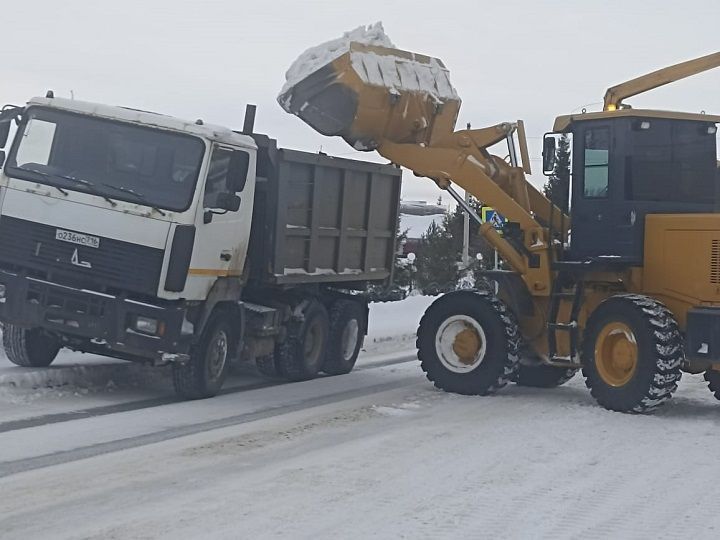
(126, 190)
(75, 179)
(46, 175)
(136, 194)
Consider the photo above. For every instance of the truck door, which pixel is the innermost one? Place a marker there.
(222, 235)
(602, 223)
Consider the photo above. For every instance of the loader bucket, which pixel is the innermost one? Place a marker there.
(370, 94)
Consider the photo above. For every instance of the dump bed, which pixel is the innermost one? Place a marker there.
(322, 219)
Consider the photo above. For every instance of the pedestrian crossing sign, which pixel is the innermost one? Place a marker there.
(497, 219)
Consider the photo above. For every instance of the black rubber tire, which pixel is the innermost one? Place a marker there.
(293, 361)
(340, 357)
(502, 335)
(193, 379)
(538, 375)
(266, 366)
(660, 353)
(713, 379)
(29, 347)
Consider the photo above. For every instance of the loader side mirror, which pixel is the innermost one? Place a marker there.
(548, 155)
(238, 171)
(4, 132)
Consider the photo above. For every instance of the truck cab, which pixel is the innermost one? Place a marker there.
(100, 209)
(148, 238)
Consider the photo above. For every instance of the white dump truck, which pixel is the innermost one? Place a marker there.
(148, 238)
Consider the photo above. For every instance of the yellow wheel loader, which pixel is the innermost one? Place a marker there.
(628, 292)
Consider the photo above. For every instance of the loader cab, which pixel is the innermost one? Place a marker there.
(626, 165)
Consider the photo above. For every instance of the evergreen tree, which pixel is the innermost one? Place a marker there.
(437, 260)
(455, 223)
(557, 185)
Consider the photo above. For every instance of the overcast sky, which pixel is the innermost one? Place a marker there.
(508, 59)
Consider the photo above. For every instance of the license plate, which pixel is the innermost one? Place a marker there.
(77, 238)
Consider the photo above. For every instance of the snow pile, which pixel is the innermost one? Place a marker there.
(392, 326)
(399, 73)
(321, 55)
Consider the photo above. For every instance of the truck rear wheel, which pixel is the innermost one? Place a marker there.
(468, 343)
(632, 351)
(347, 331)
(266, 366)
(300, 357)
(29, 347)
(203, 375)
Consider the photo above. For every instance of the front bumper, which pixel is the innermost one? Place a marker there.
(93, 321)
(702, 334)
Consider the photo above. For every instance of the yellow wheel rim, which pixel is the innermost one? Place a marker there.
(467, 345)
(616, 354)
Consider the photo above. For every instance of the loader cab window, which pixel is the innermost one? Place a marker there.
(671, 161)
(596, 154)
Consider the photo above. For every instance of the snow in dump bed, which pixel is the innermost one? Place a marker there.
(321, 55)
(394, 72)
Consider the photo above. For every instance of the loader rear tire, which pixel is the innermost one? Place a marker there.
(29, 347)
(632, 352)
(713, 379)
(468, 343)
(301, 356)
(537, 375)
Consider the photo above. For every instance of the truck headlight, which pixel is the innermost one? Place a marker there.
(146, 325)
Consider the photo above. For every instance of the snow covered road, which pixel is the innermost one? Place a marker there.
(376, 453)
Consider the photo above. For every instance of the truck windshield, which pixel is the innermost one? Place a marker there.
(112, 159)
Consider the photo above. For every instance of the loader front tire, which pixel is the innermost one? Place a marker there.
(468, 343)
(29, 347)
(632, 352)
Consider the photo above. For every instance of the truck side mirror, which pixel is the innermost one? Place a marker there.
(238, 171)
(548, 155)
(228, 201)
(4, 132)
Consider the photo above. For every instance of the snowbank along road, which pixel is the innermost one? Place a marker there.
(378, 452)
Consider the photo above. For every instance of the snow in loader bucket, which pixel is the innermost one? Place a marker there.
(361, 88)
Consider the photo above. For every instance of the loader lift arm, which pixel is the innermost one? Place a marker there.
(615, 95)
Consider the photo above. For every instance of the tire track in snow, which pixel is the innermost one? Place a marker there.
(44, 420)
(23, 465)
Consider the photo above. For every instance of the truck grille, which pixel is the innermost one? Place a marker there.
(115, 264)
(715, 262)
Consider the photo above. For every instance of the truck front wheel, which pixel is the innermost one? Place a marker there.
(301, 355)
(204, 373)
(29, 347)
(347, 330)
